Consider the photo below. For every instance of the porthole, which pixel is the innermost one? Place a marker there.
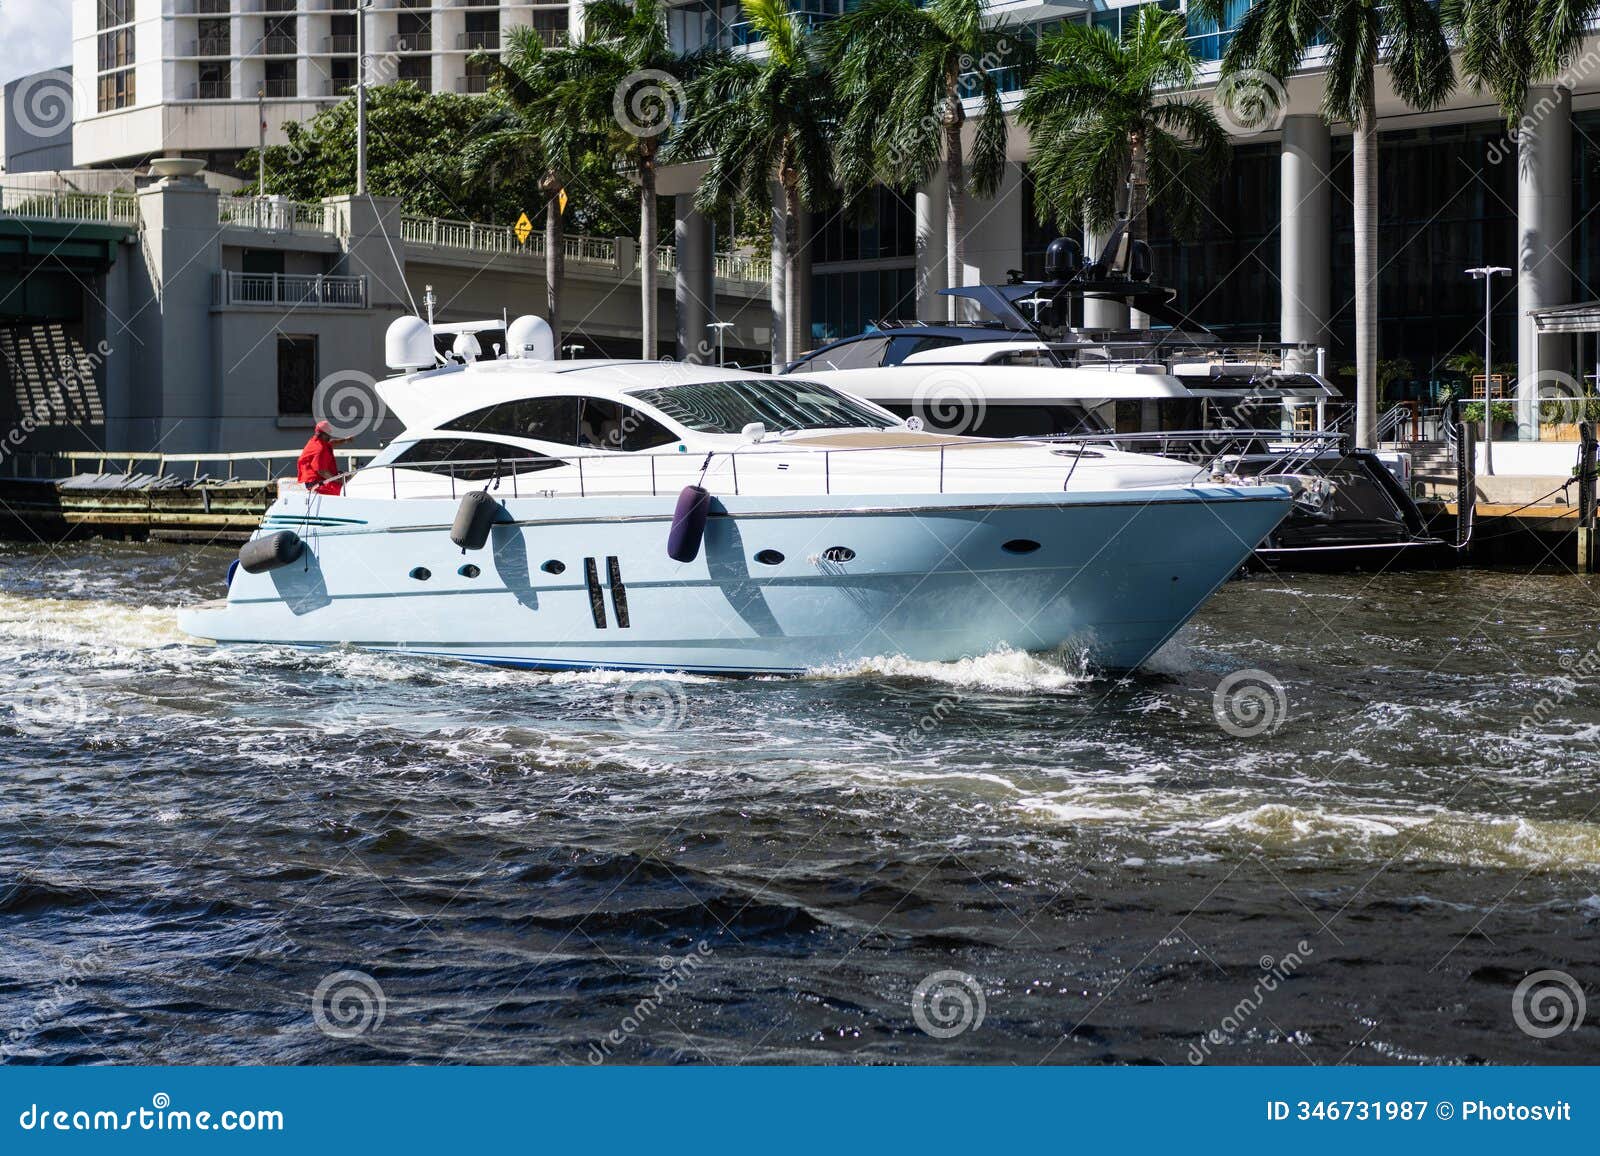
(769, 557)
(469, 571)
(422, 573)
(838, 554)
(554, 566)
(1020, 546)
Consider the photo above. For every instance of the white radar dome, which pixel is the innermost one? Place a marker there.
(466, 347)
(529, 336)
(408, 344)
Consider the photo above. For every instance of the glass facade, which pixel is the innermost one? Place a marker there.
(1446, 202)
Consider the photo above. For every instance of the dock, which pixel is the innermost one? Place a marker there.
(208, 497)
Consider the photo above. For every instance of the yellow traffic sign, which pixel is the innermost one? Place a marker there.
(523, 229)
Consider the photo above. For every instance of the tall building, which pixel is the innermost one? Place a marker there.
(187, 76)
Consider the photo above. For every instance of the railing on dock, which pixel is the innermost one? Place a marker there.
(196, 468)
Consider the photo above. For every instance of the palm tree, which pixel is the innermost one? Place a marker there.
(529, 135)
(628, 83)
(1355, 37)
(1112, 129)
(899, 67)
(761, 120)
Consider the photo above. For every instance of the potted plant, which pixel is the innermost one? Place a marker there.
(1504, 414)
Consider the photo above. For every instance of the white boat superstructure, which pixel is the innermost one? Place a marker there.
(657, 516)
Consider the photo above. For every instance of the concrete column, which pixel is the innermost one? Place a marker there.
(1543, 265)
(802, 282)
(369, 228)
(994, 236)
(694, 288)
(1099, 313)
(780, 288)
(1304, 261)
(931, 275)
(173, 341)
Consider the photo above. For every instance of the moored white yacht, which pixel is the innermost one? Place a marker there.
(649, 516)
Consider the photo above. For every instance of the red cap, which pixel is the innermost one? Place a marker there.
(325, 429)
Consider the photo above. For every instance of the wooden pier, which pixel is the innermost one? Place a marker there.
(160, 497)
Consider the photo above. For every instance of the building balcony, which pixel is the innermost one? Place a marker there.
(339, 45)
(478, 41)
(291, 290)
(411, 42)
(202, 7)
(277, 46)
(279, 88)
(210, 46)
(472, 85)
(211, 90)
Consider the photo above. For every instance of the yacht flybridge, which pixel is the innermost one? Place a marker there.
(650, 516)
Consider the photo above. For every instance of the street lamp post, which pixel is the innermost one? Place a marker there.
(361, 96)
(1487, 272)
(722, 328)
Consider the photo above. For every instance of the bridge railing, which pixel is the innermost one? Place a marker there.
(276, 215)
(66, 205)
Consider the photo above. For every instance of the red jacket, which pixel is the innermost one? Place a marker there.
(317, 461)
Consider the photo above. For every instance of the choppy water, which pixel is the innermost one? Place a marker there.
(195, 843)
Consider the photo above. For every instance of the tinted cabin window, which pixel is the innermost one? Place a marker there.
(610, 425)
(863, 354)
(779, 403)
(472, 460)
(901, 348)
(546, 419)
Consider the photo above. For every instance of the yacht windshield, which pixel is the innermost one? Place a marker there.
(778, 404)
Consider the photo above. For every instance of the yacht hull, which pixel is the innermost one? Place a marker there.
(781, 585)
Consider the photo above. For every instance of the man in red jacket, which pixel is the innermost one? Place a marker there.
(318, 469)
